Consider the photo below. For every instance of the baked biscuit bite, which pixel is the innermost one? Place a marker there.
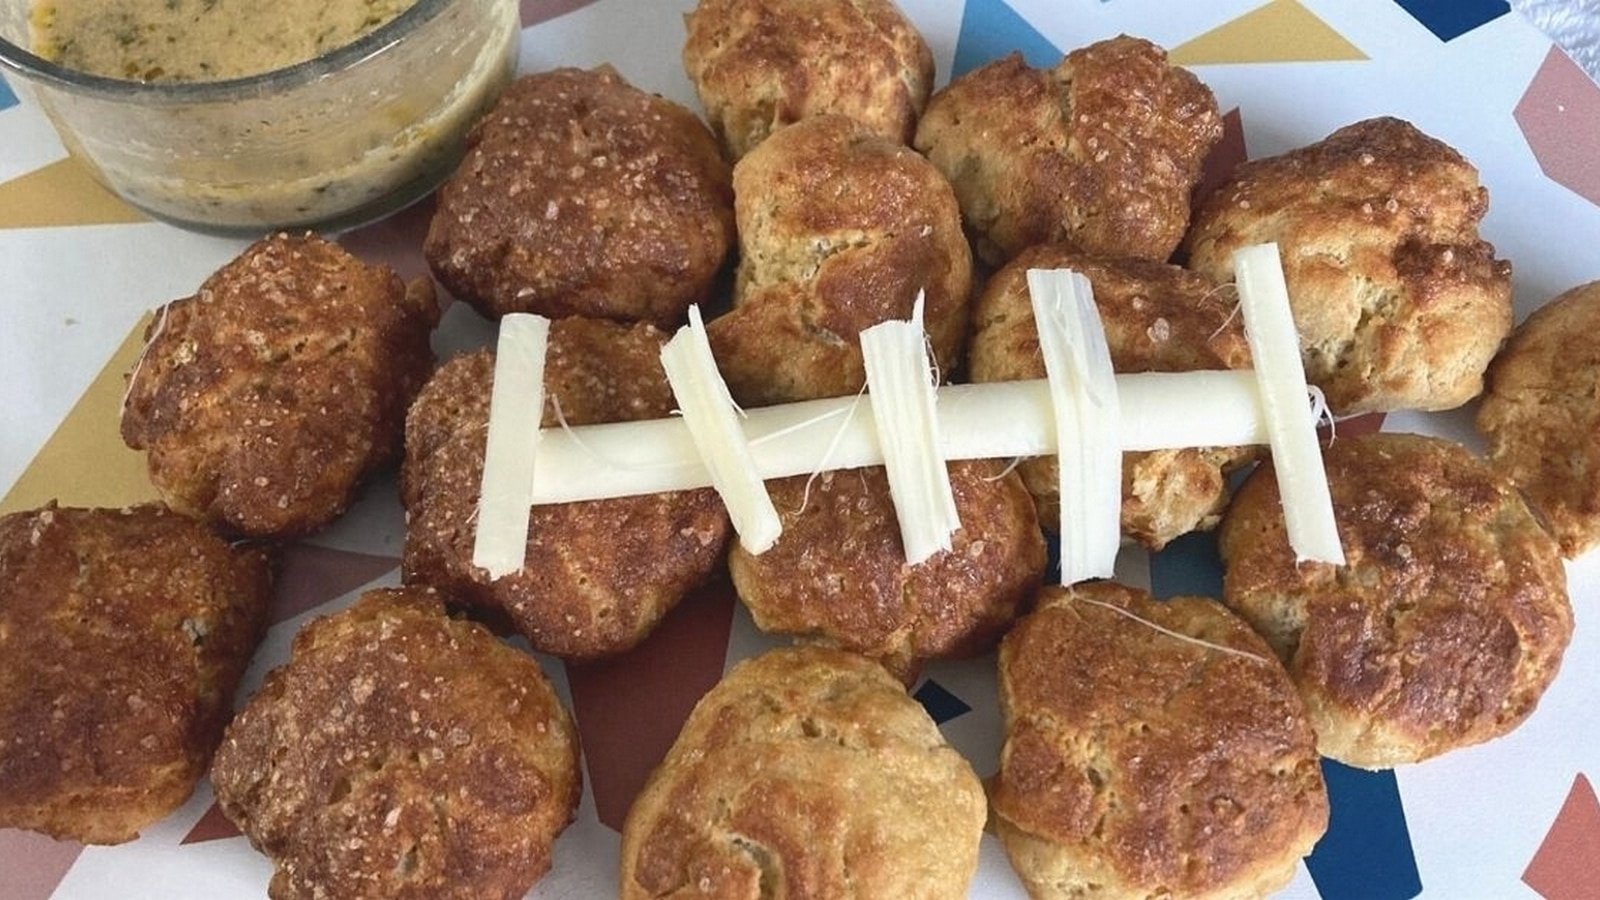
(123, 634)
(1157, 318)
(401, 754)
(1102, 151)
(582, 195)
(599, 574)
(759, 65)
(264, 400)
(1539, 417)
(1398, 302)
(839, 228)
(1447, 623)
(1152, 749)
(806, 772)
(838, 573)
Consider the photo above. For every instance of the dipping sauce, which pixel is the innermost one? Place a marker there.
(199, 40)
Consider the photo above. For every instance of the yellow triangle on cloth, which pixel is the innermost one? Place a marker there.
(1281, 31)
(85, 462)
(62, 193)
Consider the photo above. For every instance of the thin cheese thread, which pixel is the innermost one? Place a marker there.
(133, 374)
(1233, 651)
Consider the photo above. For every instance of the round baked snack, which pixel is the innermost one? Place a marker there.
(759, 65)
(839, 229)
(264, 400)
(599, 574)
(582, 195)
(1157, 318)
(1540, 420)
(838, 572)
(401, 754)
(806, 772)
(1445, 626)
(1399, 304)
(1102, 151)
(123, 634)
(1151, 749)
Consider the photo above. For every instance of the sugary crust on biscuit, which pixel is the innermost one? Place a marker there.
(838, 572)
(1399, 304)
(1540, 420)
(759, 65)
(1445, 627)
(1157, 318)
(123, 634)
(583, 195)
(401, 754)
(1137, 764)
(806, 772)
(265, 398)
(839, 228)
(599, 574)
(1103, 150)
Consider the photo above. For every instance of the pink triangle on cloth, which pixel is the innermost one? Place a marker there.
(213, 826)
(34, 864)
(1567, 863)
(535, 12)
(310, 576)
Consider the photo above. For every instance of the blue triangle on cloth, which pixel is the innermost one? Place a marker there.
(942, 706)
(1366, 854)
(1450, 19)
(7, 97)
(991, 29)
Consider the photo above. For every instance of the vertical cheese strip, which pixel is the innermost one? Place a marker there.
(516, 404)
(709, 413)
(1291, 428)
(1083, 393)
(900, 385)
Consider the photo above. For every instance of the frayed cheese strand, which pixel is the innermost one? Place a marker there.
(516, 404)
(1188, 639)
(1160, 411)
(161, 325)
(712, 420)
(1296, 458)
(899, 380)
(1087, 410)
(827, 455)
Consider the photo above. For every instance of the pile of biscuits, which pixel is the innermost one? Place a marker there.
(1151, 747)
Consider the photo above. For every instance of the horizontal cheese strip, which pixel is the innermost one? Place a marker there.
(998, 420)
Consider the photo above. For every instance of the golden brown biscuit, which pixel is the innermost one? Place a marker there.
(1157, 318)
(838, 573)
(599, 574)
(1137, 764)
(123, 634)
(583, 195)
(759, 65)
(806, 772)
(401, 754)
(839, 228)
(1102, 151)
(1399, 304)
(266, 398)
(1540, 420)
(1445, 627)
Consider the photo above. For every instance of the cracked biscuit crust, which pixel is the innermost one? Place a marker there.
(1448, 621)
(1399, 304)
(401, 754)
(123, 634)
(263, 400)
(1138, 764)
(1103, 150)
(806, 772)
(599, 574)
(839, 228)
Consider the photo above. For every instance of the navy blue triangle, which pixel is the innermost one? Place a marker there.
(941, 705)
(991, 29)
(1366, 854)
(7, 98)
(1450, 19)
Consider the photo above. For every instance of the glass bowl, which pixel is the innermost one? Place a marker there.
(341, 139)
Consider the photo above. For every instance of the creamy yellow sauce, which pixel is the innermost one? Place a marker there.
(199, 40)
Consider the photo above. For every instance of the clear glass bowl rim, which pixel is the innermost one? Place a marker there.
(275, 82)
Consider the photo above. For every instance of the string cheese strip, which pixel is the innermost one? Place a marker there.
(516, 404)
(718, 440)
(895, 357)
(1296, 457)
(1083, 393)
(1160, 411)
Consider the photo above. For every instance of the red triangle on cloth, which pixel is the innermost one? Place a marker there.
(1567, 864)
(311, 576)
(213, 826)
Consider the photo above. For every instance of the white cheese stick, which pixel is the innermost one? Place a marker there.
(1292, 430)
(516, 404)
